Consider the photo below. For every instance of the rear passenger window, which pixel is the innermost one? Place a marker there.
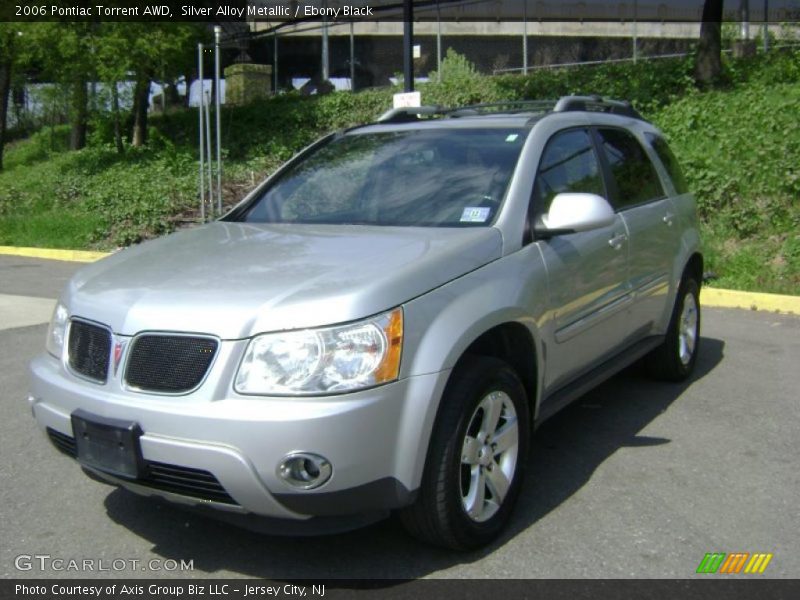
(636, 177)
(669, 161)
(569, 164)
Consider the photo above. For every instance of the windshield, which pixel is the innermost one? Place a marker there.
(434, 178)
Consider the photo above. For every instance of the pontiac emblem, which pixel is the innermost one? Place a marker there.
(118, 348)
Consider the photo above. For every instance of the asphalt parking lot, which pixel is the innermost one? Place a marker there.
(637, 479)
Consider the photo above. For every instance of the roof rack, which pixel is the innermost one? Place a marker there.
(564, 104)
(596, 104)
(517, 106)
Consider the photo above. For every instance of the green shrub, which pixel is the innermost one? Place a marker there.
(459, 84)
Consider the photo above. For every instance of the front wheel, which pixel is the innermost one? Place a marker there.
(476, 459)
(674, 360)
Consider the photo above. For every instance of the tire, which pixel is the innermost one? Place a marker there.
(457, 506)
(674, 360)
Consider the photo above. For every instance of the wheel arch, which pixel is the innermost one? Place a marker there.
(694, 268)
(514, 344)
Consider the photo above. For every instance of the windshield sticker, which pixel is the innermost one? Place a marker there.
(475, 214)
(512, 137)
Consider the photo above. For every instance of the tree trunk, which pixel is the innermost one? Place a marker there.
(708, 62)
(141, 102)
(80, 115)
(5, 88)
(115, 112)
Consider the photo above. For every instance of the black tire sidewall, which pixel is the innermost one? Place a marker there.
(688, 286)
(481, 379)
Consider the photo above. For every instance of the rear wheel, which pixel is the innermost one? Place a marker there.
(674, 360)
(476, 459)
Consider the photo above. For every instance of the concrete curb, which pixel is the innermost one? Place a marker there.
(711, 297)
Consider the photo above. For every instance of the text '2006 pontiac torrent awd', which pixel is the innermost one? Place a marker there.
(382, 323)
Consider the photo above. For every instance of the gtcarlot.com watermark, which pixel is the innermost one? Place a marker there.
(47, 562)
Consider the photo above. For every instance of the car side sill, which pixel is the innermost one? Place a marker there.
(558, 399)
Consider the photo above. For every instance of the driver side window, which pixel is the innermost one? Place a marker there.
(569, 164)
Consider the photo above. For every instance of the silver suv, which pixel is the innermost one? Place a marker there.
(382, 324)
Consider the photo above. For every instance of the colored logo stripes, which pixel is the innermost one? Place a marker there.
(735, 562)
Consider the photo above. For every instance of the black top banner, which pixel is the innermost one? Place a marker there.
(286, 11)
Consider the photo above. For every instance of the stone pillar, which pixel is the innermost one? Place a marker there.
(246, 82)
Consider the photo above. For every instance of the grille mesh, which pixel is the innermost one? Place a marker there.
(89, 350)
(172, 364)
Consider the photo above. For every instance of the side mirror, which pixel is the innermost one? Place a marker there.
(571, 213)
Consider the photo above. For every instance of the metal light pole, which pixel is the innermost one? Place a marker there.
(635, 31)
(218, 88)
(745, 12)
(408, 50)
(202, 137)
(208, 153)
(325, 60)
(438, 42)
(275, 62)
(352, 59)
(525, 37)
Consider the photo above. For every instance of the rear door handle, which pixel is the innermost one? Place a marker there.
(668, 219)
(617, 241)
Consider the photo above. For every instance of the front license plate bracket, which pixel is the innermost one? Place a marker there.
(108, 445)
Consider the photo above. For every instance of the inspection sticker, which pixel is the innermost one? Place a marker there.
(475, 214)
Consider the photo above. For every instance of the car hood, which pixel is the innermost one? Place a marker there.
(233, 280)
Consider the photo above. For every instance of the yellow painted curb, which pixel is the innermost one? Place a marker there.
(750, 300)
(53, 254)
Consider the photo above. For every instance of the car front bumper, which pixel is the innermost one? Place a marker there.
(375, 439)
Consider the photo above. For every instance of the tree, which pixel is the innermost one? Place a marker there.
(708, 62)
(152, 50)
(65, 54)
(8, 53)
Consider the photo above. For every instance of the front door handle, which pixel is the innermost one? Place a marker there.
(617, 241)
(668, 219)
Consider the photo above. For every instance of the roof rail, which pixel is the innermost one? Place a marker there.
(597, 104)
(593, 103)
(516, 105)
(408, 113)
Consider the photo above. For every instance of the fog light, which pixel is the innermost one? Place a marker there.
(304, 471)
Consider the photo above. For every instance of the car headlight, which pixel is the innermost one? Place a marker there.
(332, 359)
(57, 330)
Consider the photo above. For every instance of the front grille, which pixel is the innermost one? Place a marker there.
(171, 364)
(89, 350)
(162, 476)
(63, 442)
